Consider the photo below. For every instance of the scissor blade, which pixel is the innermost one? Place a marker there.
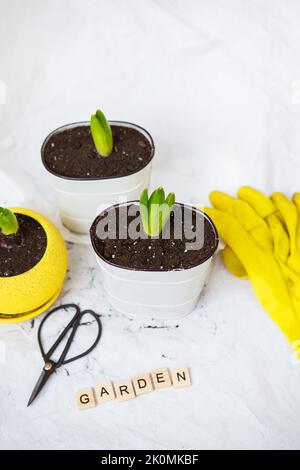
(39, 385)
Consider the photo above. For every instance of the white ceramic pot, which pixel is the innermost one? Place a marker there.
(89, 196)
(163, 295)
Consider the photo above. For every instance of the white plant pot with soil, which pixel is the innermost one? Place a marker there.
(86, 183)
(163, 291)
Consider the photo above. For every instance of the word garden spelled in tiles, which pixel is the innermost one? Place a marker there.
(128, 389)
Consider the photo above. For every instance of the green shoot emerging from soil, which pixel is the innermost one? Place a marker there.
(155, 211)
(101, 134)
(8, 222)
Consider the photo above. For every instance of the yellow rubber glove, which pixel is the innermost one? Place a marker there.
(263, 243)
(286, 231)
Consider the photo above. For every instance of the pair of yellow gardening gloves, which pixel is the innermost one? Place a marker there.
(262, 237)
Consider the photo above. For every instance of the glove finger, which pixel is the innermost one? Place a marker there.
(280, 237)
(245, 215)
(236, 237)
(254, 224)
(289, 213)
(222, 201)
(262, 205)
(233, 263)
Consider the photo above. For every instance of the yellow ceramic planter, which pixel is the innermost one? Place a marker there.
(29, 294)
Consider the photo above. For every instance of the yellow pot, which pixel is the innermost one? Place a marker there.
(29, 294)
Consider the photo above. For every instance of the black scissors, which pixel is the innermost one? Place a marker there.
(50, 366)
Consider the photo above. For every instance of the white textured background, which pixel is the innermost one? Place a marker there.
(217, 83)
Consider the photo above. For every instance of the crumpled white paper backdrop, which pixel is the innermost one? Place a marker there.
(218, 86)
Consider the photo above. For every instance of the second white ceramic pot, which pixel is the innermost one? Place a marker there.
(161, 295)
(81, 199)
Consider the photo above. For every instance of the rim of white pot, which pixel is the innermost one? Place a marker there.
(155, 270)
(87, 123)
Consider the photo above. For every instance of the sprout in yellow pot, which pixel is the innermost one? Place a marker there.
(33, 264)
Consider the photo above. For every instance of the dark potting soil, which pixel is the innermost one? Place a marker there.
(72, 153)
(21, 252)
(153, 254)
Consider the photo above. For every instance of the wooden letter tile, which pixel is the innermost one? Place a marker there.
(161, 378)
(124, 390)
(142, 384)
(85, 399)
(181, 377)
(105, 392)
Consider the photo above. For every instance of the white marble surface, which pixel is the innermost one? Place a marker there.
(217, 84)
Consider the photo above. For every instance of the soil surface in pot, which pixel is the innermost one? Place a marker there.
(165, 253)
(24, 250)
(72, 153)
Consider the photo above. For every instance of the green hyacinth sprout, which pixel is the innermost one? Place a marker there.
(8, 222)
(101, 134)
(155, 211)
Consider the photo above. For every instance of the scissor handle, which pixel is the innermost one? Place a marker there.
(97, 318)
(74, 324)
(47, 356)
